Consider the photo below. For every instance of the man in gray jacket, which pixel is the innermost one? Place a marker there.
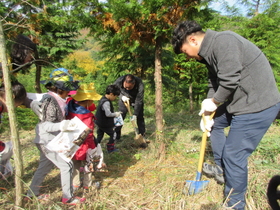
(242, 82)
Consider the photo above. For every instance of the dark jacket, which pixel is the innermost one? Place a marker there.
(101, 119)
(238, 72)
(136, 95)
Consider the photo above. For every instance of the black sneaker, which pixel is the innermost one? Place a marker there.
(214, 171)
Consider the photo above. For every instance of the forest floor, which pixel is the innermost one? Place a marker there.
(151, 178)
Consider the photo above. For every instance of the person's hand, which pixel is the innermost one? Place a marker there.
(207, 105)
(117, 114)
(125, 99)
(36, 108)
(133, 118)
(206, 124)
(66, 125)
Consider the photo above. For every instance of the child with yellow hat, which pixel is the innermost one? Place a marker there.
(81, 105)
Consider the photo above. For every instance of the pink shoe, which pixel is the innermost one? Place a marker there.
(73, 201)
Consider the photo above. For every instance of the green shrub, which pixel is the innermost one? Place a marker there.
(27, 120)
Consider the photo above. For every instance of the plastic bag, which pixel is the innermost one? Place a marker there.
(118, 121)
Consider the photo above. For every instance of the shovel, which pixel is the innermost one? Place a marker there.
(138, 136)
(194, 187)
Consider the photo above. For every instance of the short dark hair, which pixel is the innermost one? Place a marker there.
(18, 91)
(129, 78)
(181, 32)
(114, 89)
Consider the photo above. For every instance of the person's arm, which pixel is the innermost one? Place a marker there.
(50, 126)
(106, 107)
(64, 125)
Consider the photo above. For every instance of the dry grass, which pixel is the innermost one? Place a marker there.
(142, 179)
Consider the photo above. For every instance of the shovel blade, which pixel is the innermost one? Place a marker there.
(194, 187)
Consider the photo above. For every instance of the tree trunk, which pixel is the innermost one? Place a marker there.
(12, 120)
(38, 77)
(158, 91)
(38, 72)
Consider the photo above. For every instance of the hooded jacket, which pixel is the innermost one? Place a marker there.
(86, 117)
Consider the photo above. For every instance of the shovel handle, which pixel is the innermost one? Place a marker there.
(203, 146)
(127, 104)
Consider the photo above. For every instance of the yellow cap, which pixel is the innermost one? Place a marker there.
(86, 92)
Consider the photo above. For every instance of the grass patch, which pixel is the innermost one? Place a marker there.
(152, 178)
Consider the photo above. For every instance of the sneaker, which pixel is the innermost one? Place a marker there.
(111, 148)
(214, 171)
(41, 197)
(73, 201)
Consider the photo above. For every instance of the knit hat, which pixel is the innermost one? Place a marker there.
(61, 79)
(86, 92)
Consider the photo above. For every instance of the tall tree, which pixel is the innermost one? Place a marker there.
(12, 120)
(124, 27)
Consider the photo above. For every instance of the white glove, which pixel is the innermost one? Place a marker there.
(133, 118)
(36, 108)
(125, 99)
(66, 125)
(207, 125)
(117, 114)
(207, 105)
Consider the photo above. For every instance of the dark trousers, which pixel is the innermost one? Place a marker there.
(140, 120)
(246, 131)
(222, 120)
(110, 131)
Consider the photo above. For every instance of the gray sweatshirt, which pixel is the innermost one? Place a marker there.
(238, 72)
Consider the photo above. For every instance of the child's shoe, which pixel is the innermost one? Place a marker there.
(111, 148)
(73, 201)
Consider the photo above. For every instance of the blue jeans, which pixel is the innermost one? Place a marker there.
(232, 152)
